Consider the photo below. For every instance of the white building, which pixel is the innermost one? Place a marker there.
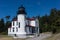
(21, 26)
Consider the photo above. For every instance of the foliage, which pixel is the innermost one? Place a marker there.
(51, 22)
(4, 26)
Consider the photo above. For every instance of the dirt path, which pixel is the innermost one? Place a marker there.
(54, 37)
(42, 36)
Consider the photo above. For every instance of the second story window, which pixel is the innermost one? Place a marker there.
(13, 23)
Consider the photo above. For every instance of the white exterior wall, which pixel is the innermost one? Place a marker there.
(10, 30)
(32, 23)
(21, 20)
(15, 24)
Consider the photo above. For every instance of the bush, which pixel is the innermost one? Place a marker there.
(54, 30)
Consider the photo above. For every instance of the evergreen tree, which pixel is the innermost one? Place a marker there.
(2, 26)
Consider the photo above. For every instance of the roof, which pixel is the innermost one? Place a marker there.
(21, 10)
(14, 19)
(30, 19)
(30, 26)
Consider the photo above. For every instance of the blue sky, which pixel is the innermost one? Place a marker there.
(33, 7)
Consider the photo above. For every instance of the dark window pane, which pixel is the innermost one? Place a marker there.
(19, 24)
(13, 29)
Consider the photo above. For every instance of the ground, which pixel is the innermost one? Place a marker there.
(54, 37)
(43, 36)
(5, 37)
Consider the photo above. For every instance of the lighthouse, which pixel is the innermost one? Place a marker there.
(22, 26)
(21, 16)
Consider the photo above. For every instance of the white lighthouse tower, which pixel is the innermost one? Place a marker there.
(21, 21)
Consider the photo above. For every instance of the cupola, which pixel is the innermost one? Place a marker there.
(21, 10)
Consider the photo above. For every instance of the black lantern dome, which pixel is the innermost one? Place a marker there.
(21, 10)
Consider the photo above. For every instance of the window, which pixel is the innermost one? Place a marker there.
(10, 29)
(16, 29)
(28, 22)
(25, 29)
(30, 29)
(19, 24)
(13, 29)
(13, 23)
